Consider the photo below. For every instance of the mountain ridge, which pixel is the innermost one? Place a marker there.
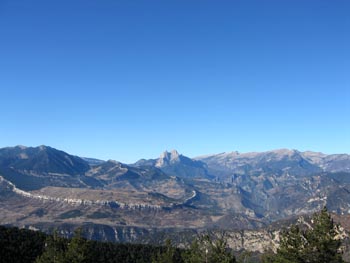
(222, 191)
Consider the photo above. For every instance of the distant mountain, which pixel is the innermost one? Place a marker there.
(115, 175)
(177, 164)
(336, 163)
(32, 168)
(43, 186)
(37, 167)
(92, 161)
(42, 159)
(276, 162)
(277, 182)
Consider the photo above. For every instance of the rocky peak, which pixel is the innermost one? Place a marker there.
(174, 153)
(167, 158)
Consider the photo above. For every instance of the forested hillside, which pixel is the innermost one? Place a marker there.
(317, 241)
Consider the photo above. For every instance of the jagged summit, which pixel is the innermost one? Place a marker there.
(174, 163)
(167, 158)
(173, 154)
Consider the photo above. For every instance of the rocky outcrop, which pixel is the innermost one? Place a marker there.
(179, 165)
(74, 201)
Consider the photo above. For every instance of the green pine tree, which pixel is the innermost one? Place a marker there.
(55, 247)
(318, 244)
(194, 254)
(292, 246)
(219, 251)
(167, 256)
(77, 249)
(323, 246)
(209, 250)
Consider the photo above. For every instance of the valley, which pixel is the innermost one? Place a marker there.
(172, 196)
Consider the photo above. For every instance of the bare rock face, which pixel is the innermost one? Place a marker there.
(254, 240)
(178, 165)
(168, 158)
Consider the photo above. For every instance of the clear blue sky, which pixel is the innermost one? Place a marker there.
(128, 79)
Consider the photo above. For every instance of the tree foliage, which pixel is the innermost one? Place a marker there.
(20, 245)
(317, 244)
(209, 250)
(55, 246)
(77, 249)
(168, 255)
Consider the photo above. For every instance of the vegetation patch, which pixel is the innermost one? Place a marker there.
(40, 212)
(97, 215)
(70, 214)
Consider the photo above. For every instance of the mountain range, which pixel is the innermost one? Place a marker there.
(44, 188)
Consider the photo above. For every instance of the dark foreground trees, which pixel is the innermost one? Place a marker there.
(54, 249)
(316, 244)
(205, 249)
(299, 244)
(57, 250)
(209, 249)
(80, 250)
(20, 245)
